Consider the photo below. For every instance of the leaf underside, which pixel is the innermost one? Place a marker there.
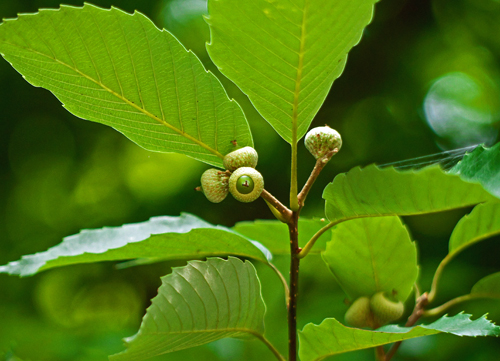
(197, 304)
(285, 54)
(160, 238)
(369, 255)
(119, 69)
(375, 192)
(331, 337)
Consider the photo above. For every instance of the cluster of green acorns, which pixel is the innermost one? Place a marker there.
(240, 178)
(381, 309)
(244, 182)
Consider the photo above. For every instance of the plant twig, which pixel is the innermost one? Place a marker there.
(418, 311)
(271, 347)
(440, 309)
(379, 353)
(309, 245)
(320, 164)
(294, 286)
(285, 213)
(283, 280)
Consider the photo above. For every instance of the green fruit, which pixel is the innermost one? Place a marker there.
(215, 185)
(322, 140)
(246, 184)
(385, 308)
(243, 157)
(359, 314)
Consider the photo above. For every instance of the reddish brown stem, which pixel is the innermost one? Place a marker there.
(418, 310)
(294, 286)
(320, 164)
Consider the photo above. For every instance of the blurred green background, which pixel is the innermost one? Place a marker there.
(425, 78)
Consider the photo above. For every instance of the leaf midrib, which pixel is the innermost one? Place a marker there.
(125, 100)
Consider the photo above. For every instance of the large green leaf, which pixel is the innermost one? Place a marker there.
(483, 166)
(483, 222)
(331, 337)
(488, 287)
(199, 303)
(374, 192)
(369, 255)
(160, 238)
(118, 69)
(275, 237)
(285, 54)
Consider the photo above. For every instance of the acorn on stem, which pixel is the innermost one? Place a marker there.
(359, 313)
(215, 185)
(246, 184)
(386, 308)
(320, 141)
(243, 157)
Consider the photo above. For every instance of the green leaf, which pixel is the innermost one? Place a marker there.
(275, 237)
(118, 69)
(488, 287)
(369, 255)
(331, 337)
(483, 166)
(374, 192)
(160, 238)
(285, 54)
(482, 223)
(197, 304)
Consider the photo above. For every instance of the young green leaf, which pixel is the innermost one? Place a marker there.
(274, 234)
(332, 338)
(285, 54)
(160, 238)
(119, 69)
(487, 287)
(482, 223)
(483, 166)
(197, 304)
(370, 255)
(370, 192)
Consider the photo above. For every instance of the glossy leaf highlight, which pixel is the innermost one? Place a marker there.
(483, 166)
(160, 238)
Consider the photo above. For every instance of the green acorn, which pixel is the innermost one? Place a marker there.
(322, 140)
(359, 313)
(243, 157)
(246, 184)
(215, 185)
(386, 308)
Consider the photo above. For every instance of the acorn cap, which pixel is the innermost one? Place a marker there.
(243, 157)
(321, 140)
(246, 184)
(386, 309)
(215, 185)
(359, 313)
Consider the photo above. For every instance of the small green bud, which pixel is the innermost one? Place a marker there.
(243, 157)
(322, 140)
(215, 185)
(246, 184)
(385, 308)
(359, 314)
